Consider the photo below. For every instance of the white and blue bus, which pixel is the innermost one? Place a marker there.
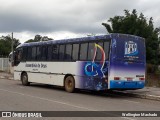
(114, 61)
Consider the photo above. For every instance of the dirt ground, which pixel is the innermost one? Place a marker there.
(153, 80)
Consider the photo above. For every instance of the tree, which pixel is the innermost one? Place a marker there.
(39, 38)
(132, 23)
(5, 45)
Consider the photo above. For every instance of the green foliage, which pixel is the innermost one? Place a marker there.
(6, 41)
(5, 45)
(38, 38)
(132, 23)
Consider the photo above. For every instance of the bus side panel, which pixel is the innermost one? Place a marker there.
(40, 78)
(46, 72)
(92, 76)
(17, 75)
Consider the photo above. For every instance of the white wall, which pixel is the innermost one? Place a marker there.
(4, 64)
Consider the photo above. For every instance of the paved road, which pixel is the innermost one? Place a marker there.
(15, 97)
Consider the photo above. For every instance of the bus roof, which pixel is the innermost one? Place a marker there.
(74, 40)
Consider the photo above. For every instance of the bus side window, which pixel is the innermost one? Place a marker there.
(68, 52)
(24, 55)
(91, 48)
(43, 53)
(33, 54)
(61, 52)
(19, 55)
(38, 54)
(83, 51)
(49, 53)
(106, 49)
(29, 53)
(55, 52)
(75, 52)
(99, 54)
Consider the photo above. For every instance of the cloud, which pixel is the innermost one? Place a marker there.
(72, 16)
(58, 15)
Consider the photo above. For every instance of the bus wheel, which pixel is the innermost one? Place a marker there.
(24, 79)
(69, 84)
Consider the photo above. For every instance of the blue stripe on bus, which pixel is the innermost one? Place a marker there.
(101, 37)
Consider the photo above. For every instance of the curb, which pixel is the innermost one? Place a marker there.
(6, 77)
(143, 96)
(148, 96)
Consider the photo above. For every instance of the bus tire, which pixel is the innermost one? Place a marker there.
(24, 79)
(69, 84)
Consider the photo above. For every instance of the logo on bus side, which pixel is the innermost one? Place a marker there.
(131, 48)
(94, 69)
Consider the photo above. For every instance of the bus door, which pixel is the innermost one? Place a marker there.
(17, 56)
(127, 63)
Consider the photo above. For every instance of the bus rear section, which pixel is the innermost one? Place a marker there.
(127, 62)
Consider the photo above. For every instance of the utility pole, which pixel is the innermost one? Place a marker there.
(12, 57)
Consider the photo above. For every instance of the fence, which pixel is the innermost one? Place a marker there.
(4, 64)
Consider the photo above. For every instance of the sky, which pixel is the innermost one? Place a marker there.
(60, 19)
